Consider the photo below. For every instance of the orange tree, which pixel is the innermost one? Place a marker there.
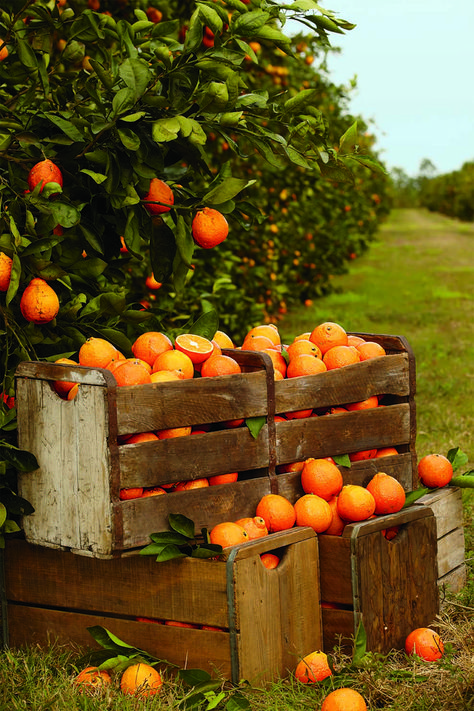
(123, 98)
(451, 194)
(318, 214)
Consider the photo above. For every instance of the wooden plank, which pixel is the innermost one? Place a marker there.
(71, 489)
(353, 383)
(188, 590)
(189, 648)
(397, 582)
(145, 408)
(451, 551)
(271, 645)
(337, 434)
(455, 580)
(447, 506)
(338, 630)
(192, 457)
(335, 569)
(206, 507)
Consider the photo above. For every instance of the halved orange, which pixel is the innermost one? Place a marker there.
(196, 347)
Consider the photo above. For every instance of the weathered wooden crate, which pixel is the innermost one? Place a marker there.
(447, 506)
(83, 466)
(389, 585)
(269, 619)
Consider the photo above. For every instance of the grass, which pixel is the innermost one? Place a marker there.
(416, 281)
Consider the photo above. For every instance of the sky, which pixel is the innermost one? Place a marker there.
(414, 63)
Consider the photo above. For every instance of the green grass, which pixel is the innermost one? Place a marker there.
(416, 281)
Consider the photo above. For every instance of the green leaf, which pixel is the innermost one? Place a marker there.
(19, 458)
(165, 537)
(169, 552)
(107, 639)
(348, 139)
(465, 481)
(413, 496)
(255, 424)
(209, 550)
(3, 514)
(11, 526)
(226, 190)
(65, 126)
(131, 118)
(184, 240)
(237, 702)
(247, 25)
(136, 74)
(206, 325)
(65, 214)
(96, 177)
(26, 53)
(164, 130)
(182, 525)
(210, 17)
(194, 677)
(301, 100)
(360, 644)
(129, 138)
(457, 458)
(342, 460)
(123, 101)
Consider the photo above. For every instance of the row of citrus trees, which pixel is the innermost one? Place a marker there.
(451, 194)
(150, 115)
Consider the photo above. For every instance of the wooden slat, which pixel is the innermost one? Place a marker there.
(336, 434)
(146, 408)
(451, 551)
(189, 648)
(71, 489)
(192, 457)
(335, 569)
(447, 506)
(271, 645)
(353, 383)
(338, 630)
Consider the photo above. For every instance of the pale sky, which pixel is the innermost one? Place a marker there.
(414, 61)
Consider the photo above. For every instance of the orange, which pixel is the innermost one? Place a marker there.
(336, 526)
(163, 376)
(312, 668)
(279, 363)
(327, 335)
(63, 387)
(425, 643)
(321, 477)
(386, 452)
(367, 404)
(339, 356)
(298, 414)
(305, 364)
(388, 493)
(257, 343)
(97, 353)
(176, 623)
(354, 340)
(142, 437)
(290, 467)
(209, 228)
(45, 171)
(223, 340)
(268, 330)
(193, 484)
(277, 512)
(270, 560)
(160, 197)
(39, 303)
(146, 365)
(134, 492)
(355, 503)
(255, 527)
(227, 534)
(151, 283)
(195, 347)
(219, 365)
(301, 346)
(173, 432)
(304, 336)
(93, 678)
(153, 491)
(344, 699)
(148, 346)
(131, 372)
(435, 470)
(141, 680)
(313, 511)
(3, 50)
(223, 478)
(370, 349)
(176, 361)
(6, 264)
(363, 455)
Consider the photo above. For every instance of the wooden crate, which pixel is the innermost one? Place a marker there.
(447, 506)
(269, 618)
(389, 585)
(83, 466)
